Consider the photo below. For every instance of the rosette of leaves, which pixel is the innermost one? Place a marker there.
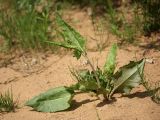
(105, 81)
(123, 81)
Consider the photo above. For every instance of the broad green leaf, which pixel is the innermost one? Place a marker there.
(53, 100)
(72, 39)
(129, 76)
(110, 64)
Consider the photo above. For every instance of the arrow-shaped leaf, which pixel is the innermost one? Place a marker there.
(128, 77)
(72, 39)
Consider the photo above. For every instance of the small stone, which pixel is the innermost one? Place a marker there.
(151, 61)
(34, 61)
(89, 11)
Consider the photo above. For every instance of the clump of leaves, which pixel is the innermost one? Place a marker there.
(105, 81)
(7, 104)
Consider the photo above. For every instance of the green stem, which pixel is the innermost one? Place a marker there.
(94, 71)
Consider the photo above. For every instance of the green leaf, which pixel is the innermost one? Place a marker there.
(129, 76)
(86, 80)
(110, 64)
(88, 85)
(72, 39)
(53, 100)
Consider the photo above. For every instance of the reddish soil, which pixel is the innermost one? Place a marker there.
(28, 76)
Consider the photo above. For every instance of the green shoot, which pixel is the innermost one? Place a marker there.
(7, 104)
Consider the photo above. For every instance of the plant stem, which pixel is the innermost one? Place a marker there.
(94, 71)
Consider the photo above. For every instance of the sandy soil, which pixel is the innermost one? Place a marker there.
(29, 76)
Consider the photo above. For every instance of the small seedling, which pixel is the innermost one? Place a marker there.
(7, 104)
(102, 81)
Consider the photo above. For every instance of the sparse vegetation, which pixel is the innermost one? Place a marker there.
(26, 24)
(150, 11)
(24, 27)
(31, 26)
(28, 31)
(119, 24)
